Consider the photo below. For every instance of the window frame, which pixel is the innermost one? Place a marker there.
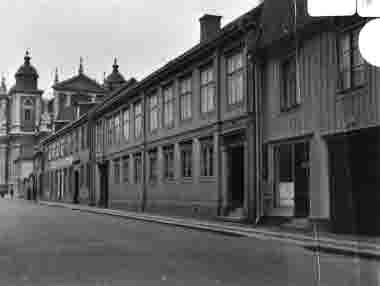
(116, 171)
(137, 172)
(169, 173)
(207, 168)
(153, 175)
(126, 124)
(126, 169)
(234, 75)
(292, 101)
(166, 103)
(153, 112)
(207, 86)
(351, 30)
(186, 97)
(186, 149)
(138, 118)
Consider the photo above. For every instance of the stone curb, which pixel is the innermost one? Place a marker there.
(348, 247)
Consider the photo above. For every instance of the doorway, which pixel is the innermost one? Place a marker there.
(236, 177)
(103, 171)
(354, 181)
(291, 187)
(76, 187)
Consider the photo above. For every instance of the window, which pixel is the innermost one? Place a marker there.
(186, 159)
(138, 168)
(98, 136)
(28, 106)
(207, 158)
(81, 176)
(169, 162)
(289, 97)
(126, 169)
(126, 126)
(109, 131)
(185, 98)
(116, 169)
(117, 128)
(207, 90)
(138, 119)
(153, 166)
(113, 124)
(153, 112)
(168, 106)
(235, 78)
(351, 63)
(84, 137)
(80, 138)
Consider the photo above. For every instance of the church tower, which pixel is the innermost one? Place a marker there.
(3, 136)
(24, 107)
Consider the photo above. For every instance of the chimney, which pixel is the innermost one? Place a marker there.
(210, 26)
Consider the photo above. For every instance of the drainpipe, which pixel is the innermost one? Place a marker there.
(219, 129)
(143, 156)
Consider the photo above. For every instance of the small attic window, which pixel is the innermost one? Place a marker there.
(27, 108)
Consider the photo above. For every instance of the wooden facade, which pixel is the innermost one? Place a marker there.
(277, 152)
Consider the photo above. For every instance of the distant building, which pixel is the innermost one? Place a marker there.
(64, 157)
(74, 96)
(24, 118)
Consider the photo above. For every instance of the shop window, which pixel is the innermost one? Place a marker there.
(207, 158)
(137, 168)
(116, 173)
(153, 168)
(186, 159)
(169, 162)
(126, 169)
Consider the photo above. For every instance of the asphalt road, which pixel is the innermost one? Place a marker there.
(42, 245)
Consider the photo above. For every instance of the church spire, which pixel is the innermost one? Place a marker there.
(80, 65)
(3, 87)
(27, 57)
(115, 65)
(56, 80)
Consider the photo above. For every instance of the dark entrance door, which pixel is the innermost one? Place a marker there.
(236, 176)
(76, 187)
(301, 173)
(355, 182)
(103, 170)
(341, 197)
(365, 166)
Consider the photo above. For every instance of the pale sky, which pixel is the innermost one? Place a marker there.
(142, 34)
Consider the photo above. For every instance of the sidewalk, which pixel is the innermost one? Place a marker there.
(343, 244)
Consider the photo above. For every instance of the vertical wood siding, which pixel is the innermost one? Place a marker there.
(323, 109)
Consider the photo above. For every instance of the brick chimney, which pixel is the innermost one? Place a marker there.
(210, 26)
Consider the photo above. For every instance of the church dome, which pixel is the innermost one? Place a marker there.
(26, 76)
(115, 79)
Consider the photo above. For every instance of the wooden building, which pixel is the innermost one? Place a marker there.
(271, 116)
(179, 141)
(319, 119)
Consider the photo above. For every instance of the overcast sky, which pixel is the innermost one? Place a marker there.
(142, 34)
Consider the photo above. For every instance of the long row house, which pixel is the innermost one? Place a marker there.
(271, 117)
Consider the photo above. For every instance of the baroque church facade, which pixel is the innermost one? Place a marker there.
(24, 119)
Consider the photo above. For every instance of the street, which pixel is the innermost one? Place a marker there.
(42, 245)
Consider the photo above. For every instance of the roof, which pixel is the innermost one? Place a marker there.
(66, 114)
(27, 70)
(243, 23)
(80, 82)
(278, 19)
(115, 78)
